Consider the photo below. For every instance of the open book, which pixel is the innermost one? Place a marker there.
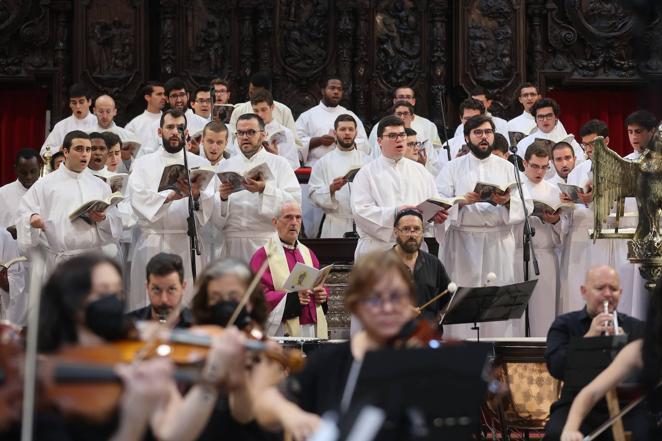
(116, 181)
(278, 136)
(351, 173)
(174, 172)
(84, 210)
(540, 207)
(486, 189)
(304, 277)
(260, 172)
(430, 207)
(11, 262)
(573, 192)
(515, 137)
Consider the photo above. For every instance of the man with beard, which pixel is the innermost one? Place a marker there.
(315, 125)
(162, 215)
(480, 239)
(27, 167)
(428, 273)
(165, 288)
(43, 219)
(295, 314)
(105, 111)
(328, 188)
(245, 216)
(563, 158)
(154, 96)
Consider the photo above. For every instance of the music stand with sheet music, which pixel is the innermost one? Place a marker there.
(412, 386)
(488, 304)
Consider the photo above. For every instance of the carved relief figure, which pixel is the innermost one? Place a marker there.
(490, 43)
(209, 50)
(398, 41)
(111, 47)
(605, 15)
(304, 33)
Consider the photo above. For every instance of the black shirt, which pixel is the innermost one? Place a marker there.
(576, 324)
(185, 316)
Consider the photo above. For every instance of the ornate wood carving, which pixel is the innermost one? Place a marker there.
(438, 17)
(490, 47)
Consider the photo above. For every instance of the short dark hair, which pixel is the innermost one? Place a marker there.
(476, 121)
(149, 87)
(388, 121)
(472, 104)
(216, 127)
(410, 132)
(479, 90)
(407, 212)
(174, 113)
(163, 264)
(562, 145)
(596, 126)
(174, 84)
(54, 157)
(98, 135)
(250, 116)
(261, 79)
(404, 86)
(200, 89)
(403, 103)
(27, 154)
(518, 91)
(325, 80)
(641, 118)
(344, 117)
(111, 139)
(546, 102)
(220, 81)
(262, 96)
(537, 150)
(500, 143)
(74, 134)
(79, 89)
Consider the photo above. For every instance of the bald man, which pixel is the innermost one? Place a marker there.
(105, 111)
(601, 285)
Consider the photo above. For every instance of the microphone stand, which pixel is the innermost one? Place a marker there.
(443, 123)
(191, 230)
(528, 251)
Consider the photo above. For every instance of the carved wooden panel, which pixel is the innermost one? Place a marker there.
(490, 47)
(110, 47)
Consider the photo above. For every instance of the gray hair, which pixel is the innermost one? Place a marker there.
(279, 210)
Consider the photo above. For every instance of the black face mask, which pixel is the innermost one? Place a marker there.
(105, 317)
(221, 312)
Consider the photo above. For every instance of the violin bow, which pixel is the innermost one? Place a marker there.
(249, 290)
(153, 334)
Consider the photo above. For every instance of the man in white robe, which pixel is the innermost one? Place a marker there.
(549, 227)
(178, 99)
(281, 113)
(44, 210)
(280, 139)
(485, 98)
(201, 103)
(387, 185)
(315, 125)
(527, 95)
(641, 126)
(27, 167)
(546, 112)
(563, 160)
(80, 119)
(13, 295)
(479, 237)
(155, 99)
(245, 216)
(469, 108)
(328, 188)
(105, 111)
(162, 215)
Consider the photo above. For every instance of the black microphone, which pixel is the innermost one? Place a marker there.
(513, 149)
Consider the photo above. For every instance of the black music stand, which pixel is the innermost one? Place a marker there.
(412, 387)
(588, 357)
(488, 304)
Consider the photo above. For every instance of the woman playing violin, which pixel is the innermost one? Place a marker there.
(381, 295)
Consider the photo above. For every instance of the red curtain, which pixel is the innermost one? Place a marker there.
(611, 106)
(22, 124)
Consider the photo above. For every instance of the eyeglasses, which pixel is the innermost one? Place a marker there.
(589, 144)
(376, 300)
(545, 116)
(482, 132)
(221, 91)
(247, 133)
(177, 95)
(412, 231)
(538, 167)
(529, 95)
(401, 114)
(396, 136)
(414, 145)
(204, 101)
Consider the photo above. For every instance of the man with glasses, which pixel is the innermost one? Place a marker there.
(222, 96)
(485, 97)
(549, 226)
(547, 111)
(480, 236)
(245, 216)
(201, 103)
(527, 95)
(387, 185)
(427, 271)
